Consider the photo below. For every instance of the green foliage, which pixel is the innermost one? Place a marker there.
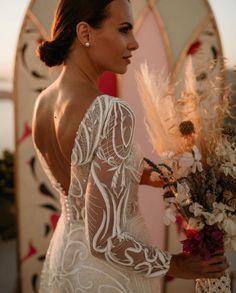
(7, 196)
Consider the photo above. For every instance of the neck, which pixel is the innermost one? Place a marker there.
(80, 69)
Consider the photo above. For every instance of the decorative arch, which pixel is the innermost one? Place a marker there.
(168, 32)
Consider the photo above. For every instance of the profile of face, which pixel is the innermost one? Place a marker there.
(112, 44)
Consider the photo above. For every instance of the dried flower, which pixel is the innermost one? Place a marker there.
(228, 182)
(183, 194)
(201, 155)
(229, 130)
(232, 204)
(210, 199)
(228, 195)
(168, 194)
(186, 127)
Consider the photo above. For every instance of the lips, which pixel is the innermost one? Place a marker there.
(127, 59)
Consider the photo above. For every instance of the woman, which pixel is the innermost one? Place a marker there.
(85, 142)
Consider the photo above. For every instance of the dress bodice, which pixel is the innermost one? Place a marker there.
(88, 137)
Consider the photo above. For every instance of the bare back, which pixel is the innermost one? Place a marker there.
(57, 115)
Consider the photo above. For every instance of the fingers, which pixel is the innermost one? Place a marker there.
(217, 259)
(219, 268)
(216, 267)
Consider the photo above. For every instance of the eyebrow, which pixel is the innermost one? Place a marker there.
(128, 24)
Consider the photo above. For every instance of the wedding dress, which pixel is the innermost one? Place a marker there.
(101, 243)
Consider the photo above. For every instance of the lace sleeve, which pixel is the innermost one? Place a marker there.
(106, 200)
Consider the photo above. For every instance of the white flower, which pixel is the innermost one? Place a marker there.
(228, 169)
(218, 215)
(230, 242)
(190, 162)
(185, 163)
(197, 162)
(183, 197)
(226, 151)
(170, 215)
(222, 207)
(229, 226)
(196, 223)
(196, 209)
(213, 218)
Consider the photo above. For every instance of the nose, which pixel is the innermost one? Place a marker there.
(133, 44)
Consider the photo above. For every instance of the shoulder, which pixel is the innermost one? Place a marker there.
(120, 121)
(40, 107)
(119, 109)
(43, 101)
(118, 104)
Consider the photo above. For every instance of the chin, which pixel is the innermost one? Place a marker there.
(121, 70)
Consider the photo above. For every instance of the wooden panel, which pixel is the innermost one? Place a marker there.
(181, 19)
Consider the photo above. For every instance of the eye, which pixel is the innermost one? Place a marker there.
(124, 30)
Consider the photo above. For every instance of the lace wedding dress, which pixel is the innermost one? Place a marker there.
(101, 243)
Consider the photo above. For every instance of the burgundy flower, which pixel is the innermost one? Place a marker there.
(205, 242)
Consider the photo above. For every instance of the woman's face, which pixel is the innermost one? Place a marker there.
(113, 43)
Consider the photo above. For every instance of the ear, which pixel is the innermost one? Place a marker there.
(83, 32)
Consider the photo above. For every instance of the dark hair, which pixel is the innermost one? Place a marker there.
(68, 14)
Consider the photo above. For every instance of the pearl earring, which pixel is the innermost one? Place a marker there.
(87, 44)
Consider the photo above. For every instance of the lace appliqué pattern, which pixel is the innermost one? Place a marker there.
(101, 242)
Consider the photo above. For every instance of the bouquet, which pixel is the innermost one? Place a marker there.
(198, 163)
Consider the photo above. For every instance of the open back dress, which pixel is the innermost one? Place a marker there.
(101, 243)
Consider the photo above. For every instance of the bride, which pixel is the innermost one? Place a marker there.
(84, 140)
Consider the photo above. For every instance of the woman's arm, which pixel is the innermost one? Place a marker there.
(107, 195)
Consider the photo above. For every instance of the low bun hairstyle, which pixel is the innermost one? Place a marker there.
(68, 14)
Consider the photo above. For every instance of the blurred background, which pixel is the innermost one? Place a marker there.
(12, 13)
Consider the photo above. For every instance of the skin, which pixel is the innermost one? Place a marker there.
(55, 120)
(186, 266)
(76, 87)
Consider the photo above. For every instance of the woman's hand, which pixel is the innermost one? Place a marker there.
(187, 266)
(146, 178)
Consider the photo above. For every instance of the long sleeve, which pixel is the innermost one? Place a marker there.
(106, 199)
